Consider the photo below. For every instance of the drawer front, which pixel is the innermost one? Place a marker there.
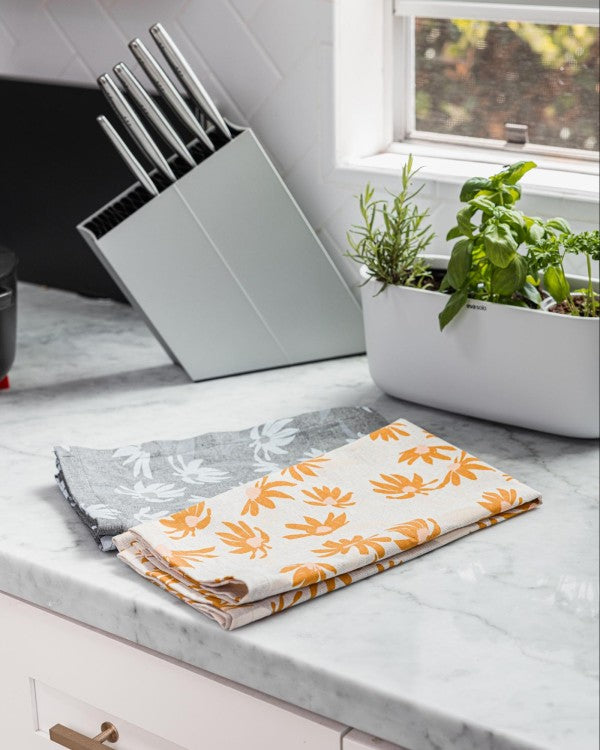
(58, 671)
(356, 740)
(52, 707)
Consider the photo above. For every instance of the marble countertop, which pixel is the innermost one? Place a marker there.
(489, 643)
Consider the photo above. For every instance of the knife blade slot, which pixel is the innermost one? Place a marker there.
(126, 205)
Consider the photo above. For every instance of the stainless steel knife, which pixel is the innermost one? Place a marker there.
(128, 157)
(134, 125)
(164, 85)
(141, 97)
(186, 75)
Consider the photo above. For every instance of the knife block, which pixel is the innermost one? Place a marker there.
(224, 267)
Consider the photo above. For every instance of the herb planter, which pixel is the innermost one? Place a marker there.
(523, 367)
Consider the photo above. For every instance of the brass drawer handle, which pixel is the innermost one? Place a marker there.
(74, 741)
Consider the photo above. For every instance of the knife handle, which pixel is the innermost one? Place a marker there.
(164, 85)
(134, 125)
(141, 97)
(188, 78)
(127, 156)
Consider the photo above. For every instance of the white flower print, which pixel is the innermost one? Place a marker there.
(145, 514)
(313, 453)
(153, 493)
(271, 438)
(194, 473)
(354, 436)
(264, 467)
(135, 455)
(99, 510)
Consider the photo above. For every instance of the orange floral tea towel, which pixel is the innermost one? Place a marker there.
(322, 524)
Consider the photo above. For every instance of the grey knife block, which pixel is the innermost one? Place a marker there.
(225, 268)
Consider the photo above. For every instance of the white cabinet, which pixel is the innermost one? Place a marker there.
(56, 671)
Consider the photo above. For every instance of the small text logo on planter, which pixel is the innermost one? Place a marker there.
(476, 307)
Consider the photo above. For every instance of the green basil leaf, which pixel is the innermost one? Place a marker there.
(514, 217)
(454, 233)
(510, 194)
(463, 219)
(500, 245)
(508, 280)
(561, 224)
(530, 292)
(482, 203)
(459, 264)
(454, 305)
(556, 284)
(473, 186)
(536, 233)
(514, 172)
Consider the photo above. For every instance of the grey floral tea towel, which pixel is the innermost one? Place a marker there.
(113, 490)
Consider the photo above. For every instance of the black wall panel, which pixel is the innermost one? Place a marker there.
(56, 167)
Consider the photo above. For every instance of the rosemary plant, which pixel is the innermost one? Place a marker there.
(392, 236)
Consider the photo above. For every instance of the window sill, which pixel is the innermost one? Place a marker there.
(555, 177)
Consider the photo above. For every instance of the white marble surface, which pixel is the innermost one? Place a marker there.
(487, 644)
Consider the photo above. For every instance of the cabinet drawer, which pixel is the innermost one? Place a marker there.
(52, 707)
(58, 671)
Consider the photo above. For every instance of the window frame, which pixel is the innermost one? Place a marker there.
(472, 148)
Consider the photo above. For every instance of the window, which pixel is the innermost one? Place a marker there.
(498, 75)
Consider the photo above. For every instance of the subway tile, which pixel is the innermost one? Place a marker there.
(288, 120)
(247, 8)
(348, 269)
(243, 67)
(91, 32)
(77, 72)
(317, 198)
(40, 50)
(7, 45)
(287, 27)
(135, 18)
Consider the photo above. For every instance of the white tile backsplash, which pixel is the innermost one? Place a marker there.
(290, 109)
(267, 62)
(241, 64)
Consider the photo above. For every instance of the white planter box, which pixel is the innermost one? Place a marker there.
(522, 367)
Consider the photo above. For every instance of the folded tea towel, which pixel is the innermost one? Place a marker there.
(322, 524)
(113, 490)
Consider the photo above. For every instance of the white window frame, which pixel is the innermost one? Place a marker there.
(474, 149)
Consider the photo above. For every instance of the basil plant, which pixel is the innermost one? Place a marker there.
(485, 263)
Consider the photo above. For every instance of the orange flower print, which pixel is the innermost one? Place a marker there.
(187, 521)
(397, 487)
(262, 494)
(425, 453)
(323, 496)
(500, 500)
(307, 573)
(363, 545)
(463, 468)
(306, 468)
(164, 579)
(416, 532)
(391, 432)
(499, 517)
(183, 558)
(279, 604)
(314, 527)
(246, 540)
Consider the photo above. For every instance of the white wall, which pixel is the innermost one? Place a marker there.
(268, 63)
